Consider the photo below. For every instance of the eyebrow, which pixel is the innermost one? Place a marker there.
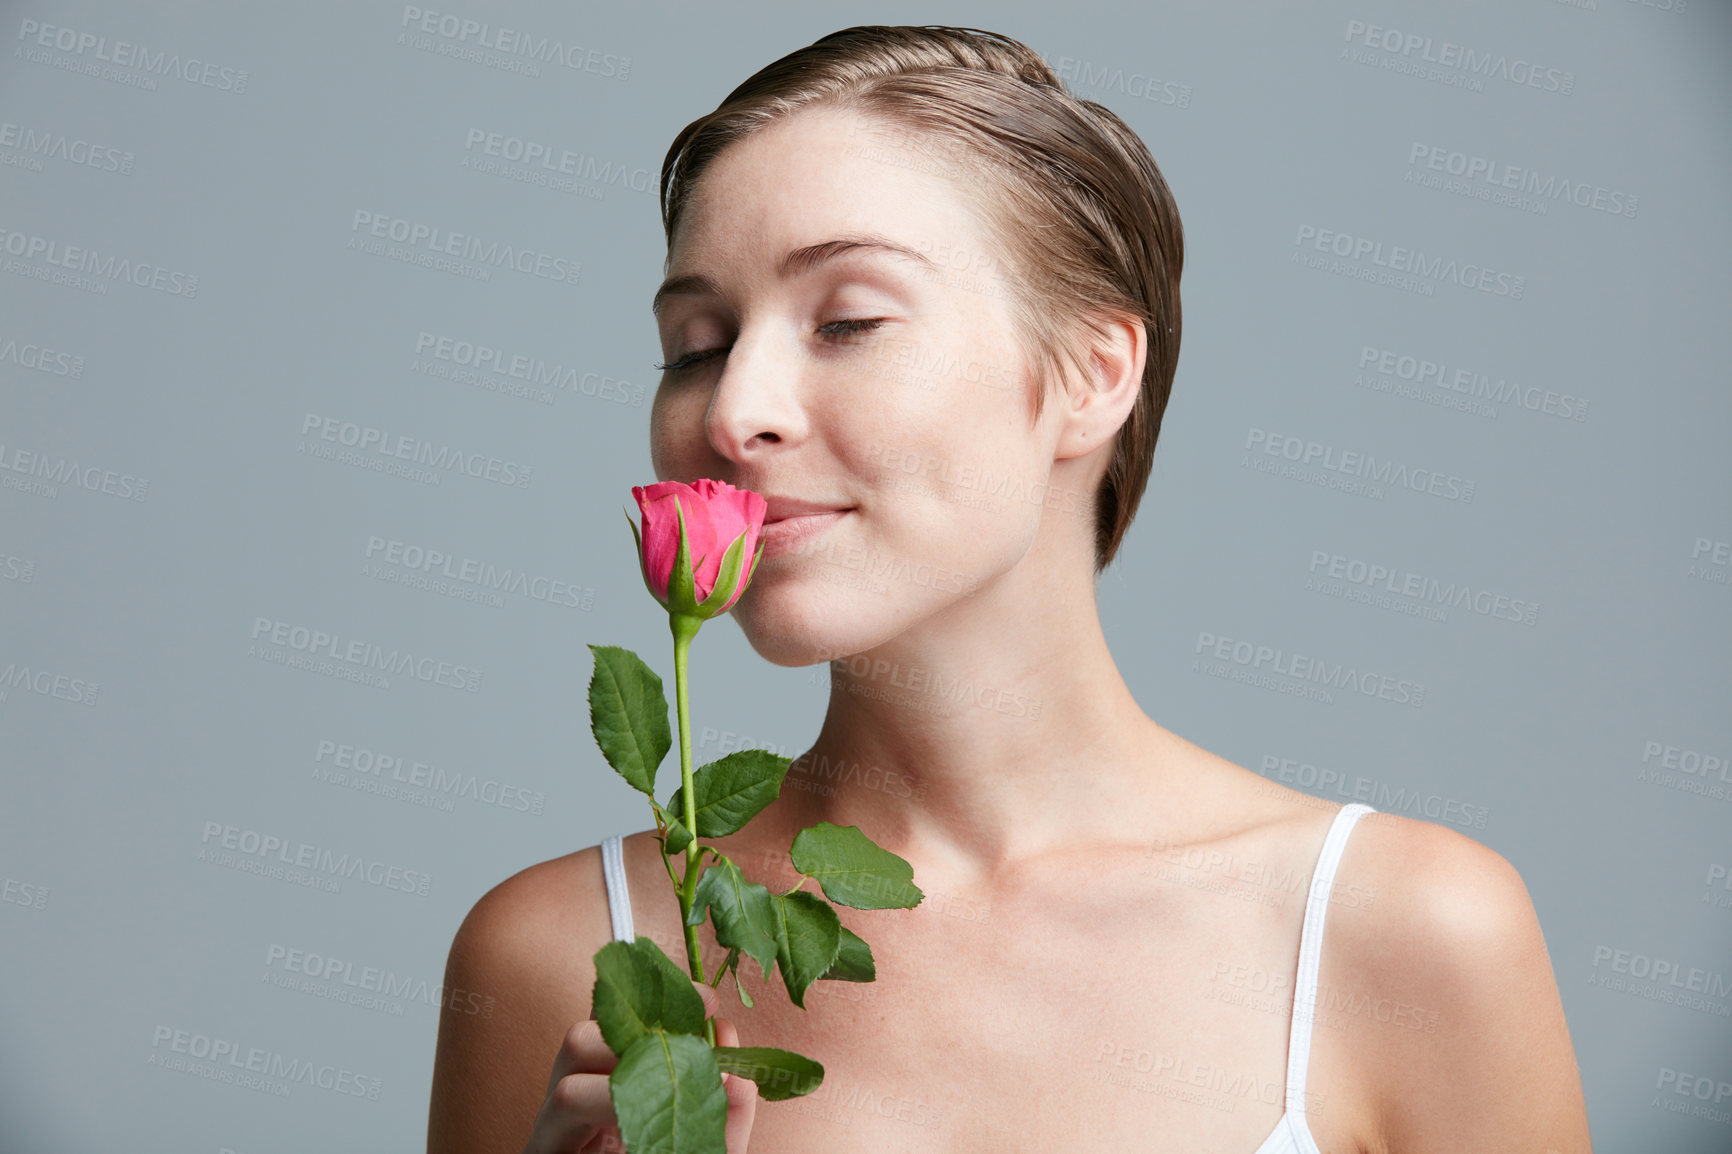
(794, 263)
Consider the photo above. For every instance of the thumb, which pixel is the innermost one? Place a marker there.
(738, 1088)
(742, 1094)
(712, 1000)
(726, 1035)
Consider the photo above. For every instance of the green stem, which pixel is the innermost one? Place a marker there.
(684, 629)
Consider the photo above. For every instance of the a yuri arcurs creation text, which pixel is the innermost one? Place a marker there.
(667, 1087)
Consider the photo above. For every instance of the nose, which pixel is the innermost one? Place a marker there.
(756, 407)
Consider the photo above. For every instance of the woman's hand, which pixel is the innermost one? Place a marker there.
(578, 1117)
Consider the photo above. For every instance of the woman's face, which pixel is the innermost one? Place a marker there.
(861, 380)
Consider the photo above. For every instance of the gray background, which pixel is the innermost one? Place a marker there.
(143, 706)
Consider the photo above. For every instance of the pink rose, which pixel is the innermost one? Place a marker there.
(716, 515)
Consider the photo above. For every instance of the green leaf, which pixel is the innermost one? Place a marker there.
(668, 1096)
(731, 791)
(779, 1073)
(808, 937)
(727, 577)
(852, 870)
(639, 989)
(744, 914)
(853, 960)
(677, 837)
(628, 713)
(682, 587)
(745, 998)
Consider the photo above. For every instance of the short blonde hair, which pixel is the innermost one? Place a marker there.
(1072, 195)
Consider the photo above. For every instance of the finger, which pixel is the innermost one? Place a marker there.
(742, 1094)
(712, 1001)
(606, 1141)
(582, 1051)
(578, 1106)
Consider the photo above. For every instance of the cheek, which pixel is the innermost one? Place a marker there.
(671, 429)
(979, 498)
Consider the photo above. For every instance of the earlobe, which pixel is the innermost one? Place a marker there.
(1117, 351)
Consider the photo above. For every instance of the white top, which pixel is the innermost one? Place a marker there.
(1291, 1135)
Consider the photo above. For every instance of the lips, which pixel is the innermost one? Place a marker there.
(785, 508)
(783, 533)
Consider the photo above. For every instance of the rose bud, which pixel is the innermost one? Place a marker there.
(695, 542)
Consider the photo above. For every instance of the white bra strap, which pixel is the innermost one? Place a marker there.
(1311, 950)
(618, 896)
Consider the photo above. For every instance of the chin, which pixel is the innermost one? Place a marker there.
(801, 621)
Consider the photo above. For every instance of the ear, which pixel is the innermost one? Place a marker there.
(1115, 349)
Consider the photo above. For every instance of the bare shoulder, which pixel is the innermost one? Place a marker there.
(1445, 993)
(518, 975)
(527, 924)
(1467, 893)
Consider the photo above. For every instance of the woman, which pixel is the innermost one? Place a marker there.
(927, 303)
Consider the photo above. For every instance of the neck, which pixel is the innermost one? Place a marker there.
(987, 736)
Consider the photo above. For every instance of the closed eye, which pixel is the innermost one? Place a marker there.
(834, 328)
